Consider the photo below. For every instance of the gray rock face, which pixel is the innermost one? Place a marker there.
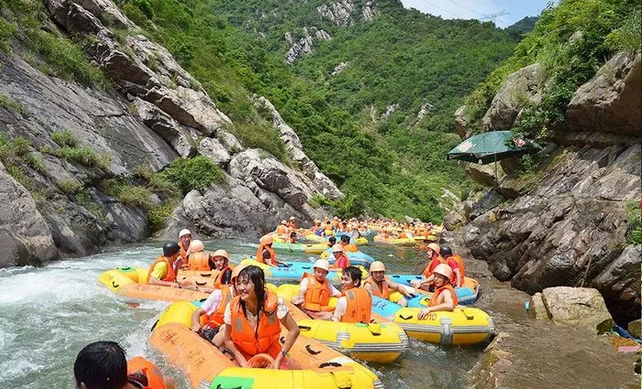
(305, 44)
(25, 238)
(611, 101)
(521, 88)
(338, 13)
(312, 177)
(570, 229)
(582, 307)
(463, 123)
(213, 149)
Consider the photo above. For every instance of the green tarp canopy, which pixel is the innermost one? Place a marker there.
(488, 147)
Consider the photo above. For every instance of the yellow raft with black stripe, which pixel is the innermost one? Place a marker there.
(462, 326)
(380, 341)
(130, 285)
(205, 366)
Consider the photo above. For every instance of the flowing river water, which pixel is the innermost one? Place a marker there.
(48, 314)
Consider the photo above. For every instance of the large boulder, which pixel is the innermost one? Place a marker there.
(521, 88)
(463, 122)
(611, 101)
(582, 307)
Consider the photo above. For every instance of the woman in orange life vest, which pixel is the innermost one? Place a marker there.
(444, 298)
(282, 228)
(436, 259)
(253, 320)
(378, 284)
(341, 260)
(197, 259)
(214, 308)
(266, 254)
(164, 269)
(355, 304)
(315, 291)
(185, 238)
(102, 365)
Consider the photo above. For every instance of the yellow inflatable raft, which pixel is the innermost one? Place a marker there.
(380, 341)
(394, 241)
(129, 284)
(207, 367)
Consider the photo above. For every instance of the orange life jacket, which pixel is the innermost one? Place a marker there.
(171, 273)
(358, 309)
(270, 250)
(183, 253)
(336, 263)
(149, 370)
(458, 259)
(435, 261)
(335, 224)
(434, 298)
(245, 338)
(218, 276)
(317, 295)
(384, 292)
(350, 248)
(216, 318)
(199, 261)
(282, 229)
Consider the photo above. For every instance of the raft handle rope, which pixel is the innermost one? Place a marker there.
(305, 328)
(406, 317)
(311, 351)
(200, 283)
(206, 274)
(471, 317)
(154, 326)
(115, 285)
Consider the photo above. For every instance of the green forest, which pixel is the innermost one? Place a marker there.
(393, 164)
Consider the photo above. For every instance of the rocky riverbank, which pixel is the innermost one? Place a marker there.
(531, 353)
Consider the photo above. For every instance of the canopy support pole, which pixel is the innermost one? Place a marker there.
(495, 162)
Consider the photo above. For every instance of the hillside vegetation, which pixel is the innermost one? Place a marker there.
(388, 164)
(572, 40)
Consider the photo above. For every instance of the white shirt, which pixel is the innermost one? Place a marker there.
(282, 311)
(213, 302)
(340, 308)
(303, 287)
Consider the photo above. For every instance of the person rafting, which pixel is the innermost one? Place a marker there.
(341, 260)
(348, 247)
(197, 258)
(378, 284)
(102, 365)
(164, 269)
(355, 304)
(331, 242)
(265, 253)
(185, 238)
(214, 308)
(282, 228)
(253, 320)
(315, 292)
(292, 224)
(444, 298)
(446, 253)
(436, 259)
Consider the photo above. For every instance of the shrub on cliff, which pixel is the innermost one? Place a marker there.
(193, 173)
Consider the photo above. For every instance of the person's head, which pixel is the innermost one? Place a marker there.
(234, 275)
(196, 246)
(220, 259)
(351, 278)
(332, 240)
(292, 218)
(250, 284)
(320, 269)
(267, 240)
(346, 239)
(442, 275)
(101, 365)
(293, 235)
(185, 237)
(283, 222)
(171, 249)
(433, 250)
(445, 251)
(338, 250)
(377, 271)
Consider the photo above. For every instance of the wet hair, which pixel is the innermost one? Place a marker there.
(346, 238)
(170, 248)
(255, 274)
(332, 240)
(354, 273)
(101, 365)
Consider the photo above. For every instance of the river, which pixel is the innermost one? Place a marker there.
(48, 314)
